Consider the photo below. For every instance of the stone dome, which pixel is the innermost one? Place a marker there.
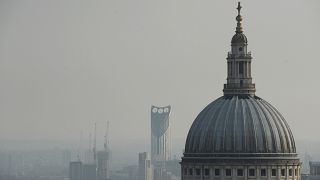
(239, 38)
(240, 126)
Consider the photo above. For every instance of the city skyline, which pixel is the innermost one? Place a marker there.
(79, 77)
(71, 69)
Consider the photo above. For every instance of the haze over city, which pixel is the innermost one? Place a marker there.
(65, 65)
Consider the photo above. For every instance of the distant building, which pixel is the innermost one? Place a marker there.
(103, 162)
(89, 157)
(66, 158)
(145, 166)
(314, 170)
(89, 172)
(160, 134)
(75, 170)
(165, 170)
(131, 172)
(80, 171)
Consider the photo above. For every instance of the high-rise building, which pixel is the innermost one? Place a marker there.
(75, 170)
(103, 163)
(145, 166)
(240, 135)
(89, 172)
(314, 170)
(160, 134)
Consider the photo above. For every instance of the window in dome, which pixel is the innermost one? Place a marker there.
(217, 172)
(197, 171)
(283, 172)
(252, 172)
(263, 172)
(274, 172)
(290, 172)
(190, 171)
(185, 171)
(239, 172)
(295, 172)
(231, 69)
(207, 172)
(228, 172)
(241, 68)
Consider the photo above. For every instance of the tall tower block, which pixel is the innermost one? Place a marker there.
(160, 134)
(145, 167)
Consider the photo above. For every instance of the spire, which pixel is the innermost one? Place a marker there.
(239, 18)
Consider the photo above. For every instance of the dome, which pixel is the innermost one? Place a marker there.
(241, 126)
(239, 38)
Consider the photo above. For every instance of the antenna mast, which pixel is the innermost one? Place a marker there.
(106, 138)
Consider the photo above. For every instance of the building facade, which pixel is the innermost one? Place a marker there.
(75, 170)
(80, 171)
(145, 166)
(240, 135)
(314, 171)
(103, 164)
(89, 172)
(160, 134)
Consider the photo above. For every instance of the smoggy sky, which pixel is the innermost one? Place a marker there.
(65, 64)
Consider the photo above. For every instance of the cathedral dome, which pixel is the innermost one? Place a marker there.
(240, 126)
(240, 135)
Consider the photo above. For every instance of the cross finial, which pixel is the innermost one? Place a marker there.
(239, 28)
(239, 8)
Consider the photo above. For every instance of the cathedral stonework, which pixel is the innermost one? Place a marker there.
(240, 135)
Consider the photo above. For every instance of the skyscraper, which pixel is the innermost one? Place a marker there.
(145, 167)
(240, 135)
(160, 134)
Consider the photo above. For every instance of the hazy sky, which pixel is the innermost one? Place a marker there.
(65, 64)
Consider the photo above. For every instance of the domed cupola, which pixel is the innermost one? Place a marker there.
(240, 133)
(239, 81)
(239, 38)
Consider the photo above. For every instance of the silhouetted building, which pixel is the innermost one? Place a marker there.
(240, 135)
(314, 171)
(75, 170)
(89, 172)
(165, 171)
(103, 171)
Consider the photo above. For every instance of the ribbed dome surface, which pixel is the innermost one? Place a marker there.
(239, 38)
(239, 125)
